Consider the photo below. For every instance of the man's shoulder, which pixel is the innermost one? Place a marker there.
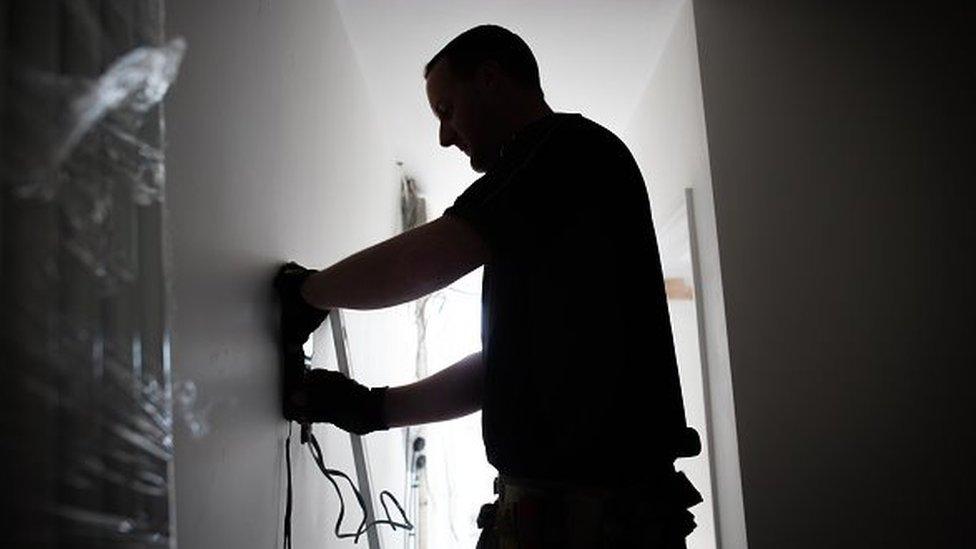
(588, 133)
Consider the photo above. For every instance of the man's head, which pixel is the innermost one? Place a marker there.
(483, 86)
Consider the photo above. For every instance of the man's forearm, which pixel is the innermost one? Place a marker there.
(453, 392)
(400, 269)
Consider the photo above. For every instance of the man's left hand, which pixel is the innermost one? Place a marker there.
(330, 396)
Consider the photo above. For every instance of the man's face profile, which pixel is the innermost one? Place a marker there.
(461, 109)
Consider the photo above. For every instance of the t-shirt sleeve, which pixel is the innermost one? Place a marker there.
(512, 211)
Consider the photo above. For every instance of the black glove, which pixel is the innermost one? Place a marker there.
(330, 396)
(688, 443)
(298, 318)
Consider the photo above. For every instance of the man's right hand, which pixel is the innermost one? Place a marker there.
(298, 318)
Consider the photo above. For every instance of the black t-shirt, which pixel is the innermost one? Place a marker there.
(581, 377)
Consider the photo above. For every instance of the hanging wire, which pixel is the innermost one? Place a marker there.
(287, 538)
(317, 456)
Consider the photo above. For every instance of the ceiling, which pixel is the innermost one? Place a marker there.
(595, 57)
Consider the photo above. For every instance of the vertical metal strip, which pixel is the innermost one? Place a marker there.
(358, 449)
(702, 350)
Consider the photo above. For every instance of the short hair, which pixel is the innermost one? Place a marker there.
(468, 50)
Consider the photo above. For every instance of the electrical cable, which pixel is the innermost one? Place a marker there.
(287, 536)
(317, 456)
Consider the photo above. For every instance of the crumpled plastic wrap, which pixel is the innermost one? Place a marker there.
(107, 111)
(87, 402)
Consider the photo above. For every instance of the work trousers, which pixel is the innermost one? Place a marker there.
(529, 514)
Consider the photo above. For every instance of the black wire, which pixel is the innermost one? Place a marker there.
(316, 452)
(407, 526)
(287, 537)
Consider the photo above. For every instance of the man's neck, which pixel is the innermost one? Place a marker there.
(519, 118)
(530, 114)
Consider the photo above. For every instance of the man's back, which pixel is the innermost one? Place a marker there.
(581, 375)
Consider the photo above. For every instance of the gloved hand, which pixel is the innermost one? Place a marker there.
(688, 443)
(330, 396)
(298, 318)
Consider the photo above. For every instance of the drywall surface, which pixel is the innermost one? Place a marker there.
(667, 137)
(274, 154)
(840, 143)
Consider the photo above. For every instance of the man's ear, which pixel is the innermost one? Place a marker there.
(488, 75)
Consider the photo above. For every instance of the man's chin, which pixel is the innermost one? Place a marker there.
(477, 166)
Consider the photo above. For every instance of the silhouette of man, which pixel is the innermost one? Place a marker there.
(577, 377)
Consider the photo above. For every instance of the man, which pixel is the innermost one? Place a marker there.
(577, 377)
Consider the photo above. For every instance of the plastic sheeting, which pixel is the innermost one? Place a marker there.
(86, 405)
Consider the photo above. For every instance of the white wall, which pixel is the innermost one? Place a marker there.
(592, 59)
(274, 154)
(668, 139)
(840, 137)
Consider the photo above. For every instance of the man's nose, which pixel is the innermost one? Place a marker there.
(447, 135)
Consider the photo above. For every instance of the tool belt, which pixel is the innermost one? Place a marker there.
(542, 513)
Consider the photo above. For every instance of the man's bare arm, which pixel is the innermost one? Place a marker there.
(400, 269)
(453, 392)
